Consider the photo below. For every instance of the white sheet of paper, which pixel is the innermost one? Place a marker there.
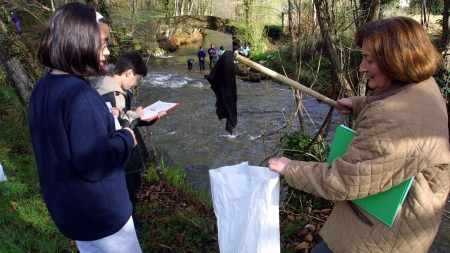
(152, 110)
(116, 120)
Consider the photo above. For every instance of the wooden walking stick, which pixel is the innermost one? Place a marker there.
(288, 81)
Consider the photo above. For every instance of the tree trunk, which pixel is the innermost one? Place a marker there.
(445, 34)
(14, 69)
(294, 15)
(369, 10)
(374, 12)
(299, 101)
(326, 30)
(293, 34)
(133, 16)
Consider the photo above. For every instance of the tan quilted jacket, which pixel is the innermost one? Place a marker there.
(400, 133)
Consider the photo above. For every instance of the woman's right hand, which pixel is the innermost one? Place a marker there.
(279, 164)
(346, 102)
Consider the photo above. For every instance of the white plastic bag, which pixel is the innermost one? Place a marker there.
(246, 205)
(2, 174)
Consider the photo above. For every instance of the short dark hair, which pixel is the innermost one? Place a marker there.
(131, 60)
(71, 41)
(401, 47)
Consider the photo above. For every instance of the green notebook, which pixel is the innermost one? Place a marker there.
(385, 205)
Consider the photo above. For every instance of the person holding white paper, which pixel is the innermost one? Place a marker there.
(117, 90)
(79, 153)
(401, 132)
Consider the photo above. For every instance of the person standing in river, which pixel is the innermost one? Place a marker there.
(190, 63)
(213, 57)
(245, 50)
(221, 51)
(79, 153)
(401, 132)
(201, 59)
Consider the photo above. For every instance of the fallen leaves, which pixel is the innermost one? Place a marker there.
(306, 237)
(157, 194)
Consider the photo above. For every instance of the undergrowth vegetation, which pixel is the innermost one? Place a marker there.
(26, 224)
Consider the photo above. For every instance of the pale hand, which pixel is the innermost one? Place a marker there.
(114, 111)
(132, 133)
(346, 102)
(139, 111)
(161, 113)
(279, 164)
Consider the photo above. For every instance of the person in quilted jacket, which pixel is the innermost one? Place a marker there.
(401, 132)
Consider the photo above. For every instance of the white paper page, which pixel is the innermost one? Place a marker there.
(116, 120)
(153, 109)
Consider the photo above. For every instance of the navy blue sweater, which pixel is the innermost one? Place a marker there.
(80, 157)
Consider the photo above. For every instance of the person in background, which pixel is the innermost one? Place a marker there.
(79, 153)
(117, 90)
(401, 132)
(245, 50)
(190, 63)
(213, 57)
(221, 51)
(236, 52)
(16, 21)
(201, 58)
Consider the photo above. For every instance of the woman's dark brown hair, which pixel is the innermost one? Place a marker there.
(401, 47)
(71, 41)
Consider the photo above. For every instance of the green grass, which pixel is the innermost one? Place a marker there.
(176, 221)
(26, 224)
(179, 218)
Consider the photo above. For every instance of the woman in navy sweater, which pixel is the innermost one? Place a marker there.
(79, 153)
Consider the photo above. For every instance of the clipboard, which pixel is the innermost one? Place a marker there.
(384, 205)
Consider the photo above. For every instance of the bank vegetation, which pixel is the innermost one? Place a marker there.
(310, 42)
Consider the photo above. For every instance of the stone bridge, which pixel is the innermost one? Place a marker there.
(183, 28)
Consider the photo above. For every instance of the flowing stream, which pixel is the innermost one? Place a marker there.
(192, 136)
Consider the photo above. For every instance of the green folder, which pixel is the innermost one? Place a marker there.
(385, 205)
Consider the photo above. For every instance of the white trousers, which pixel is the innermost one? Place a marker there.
(125, 240)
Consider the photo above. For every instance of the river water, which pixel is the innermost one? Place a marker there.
(193, 138)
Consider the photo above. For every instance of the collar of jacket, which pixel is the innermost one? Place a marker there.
(388, 91)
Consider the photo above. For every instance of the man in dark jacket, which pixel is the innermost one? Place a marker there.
(201, 58)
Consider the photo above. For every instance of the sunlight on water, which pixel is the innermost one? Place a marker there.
(191, 135)
(169, 80)
(164, 56)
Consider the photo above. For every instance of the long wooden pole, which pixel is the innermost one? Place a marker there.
(288, 81)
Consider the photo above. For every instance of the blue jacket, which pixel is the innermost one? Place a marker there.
(15, 17)
(80, 157)
(201, 54)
